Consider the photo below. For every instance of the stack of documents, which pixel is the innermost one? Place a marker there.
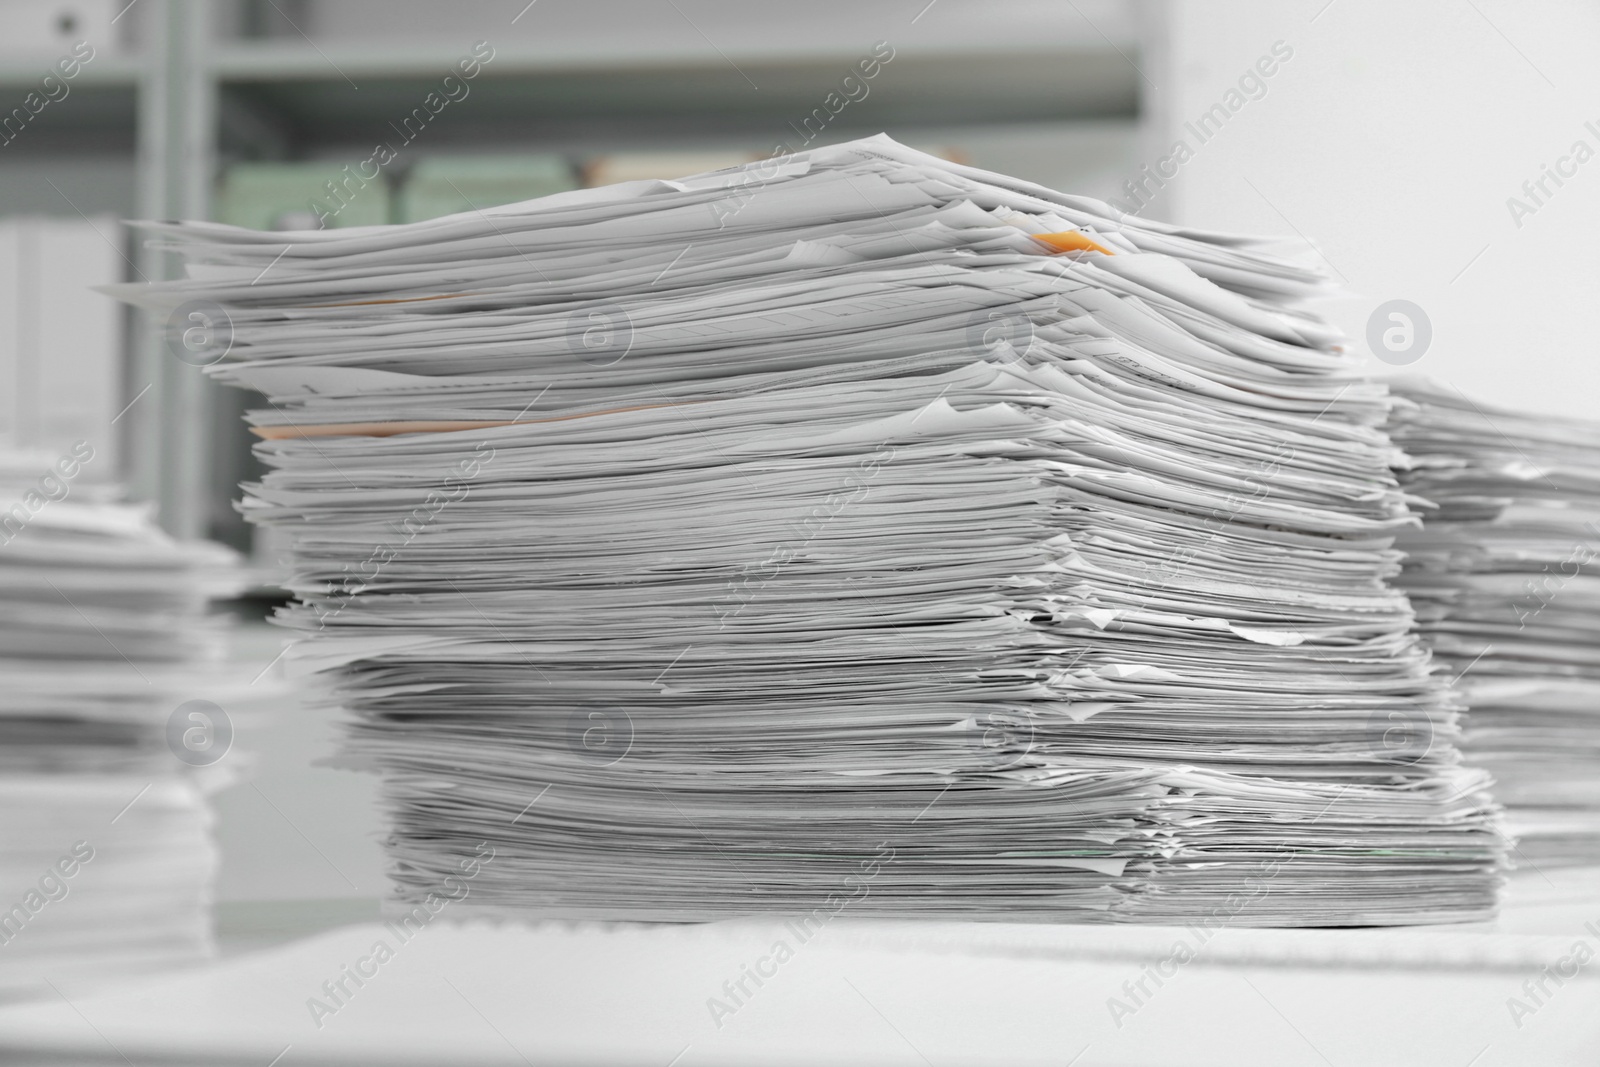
(1507, 592)
(849, 530)
(106, 861)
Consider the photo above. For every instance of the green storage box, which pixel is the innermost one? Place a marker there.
(446, 185)
(298, 196)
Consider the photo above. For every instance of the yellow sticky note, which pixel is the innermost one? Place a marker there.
(1072, 241)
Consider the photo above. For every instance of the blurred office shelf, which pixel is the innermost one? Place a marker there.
(277, 100)
(24, 71)
(323, 98)
(98, 111)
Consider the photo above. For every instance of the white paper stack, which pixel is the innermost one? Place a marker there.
(1507, 592)
(106, 859)
(854, 529)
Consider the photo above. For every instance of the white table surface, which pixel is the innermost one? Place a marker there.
(861, 992)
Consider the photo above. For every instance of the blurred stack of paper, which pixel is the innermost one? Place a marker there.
(850, 529)
(1507, 592)
(106, 859)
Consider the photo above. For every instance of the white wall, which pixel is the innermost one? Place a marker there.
(1393, 137)
(60, 343)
